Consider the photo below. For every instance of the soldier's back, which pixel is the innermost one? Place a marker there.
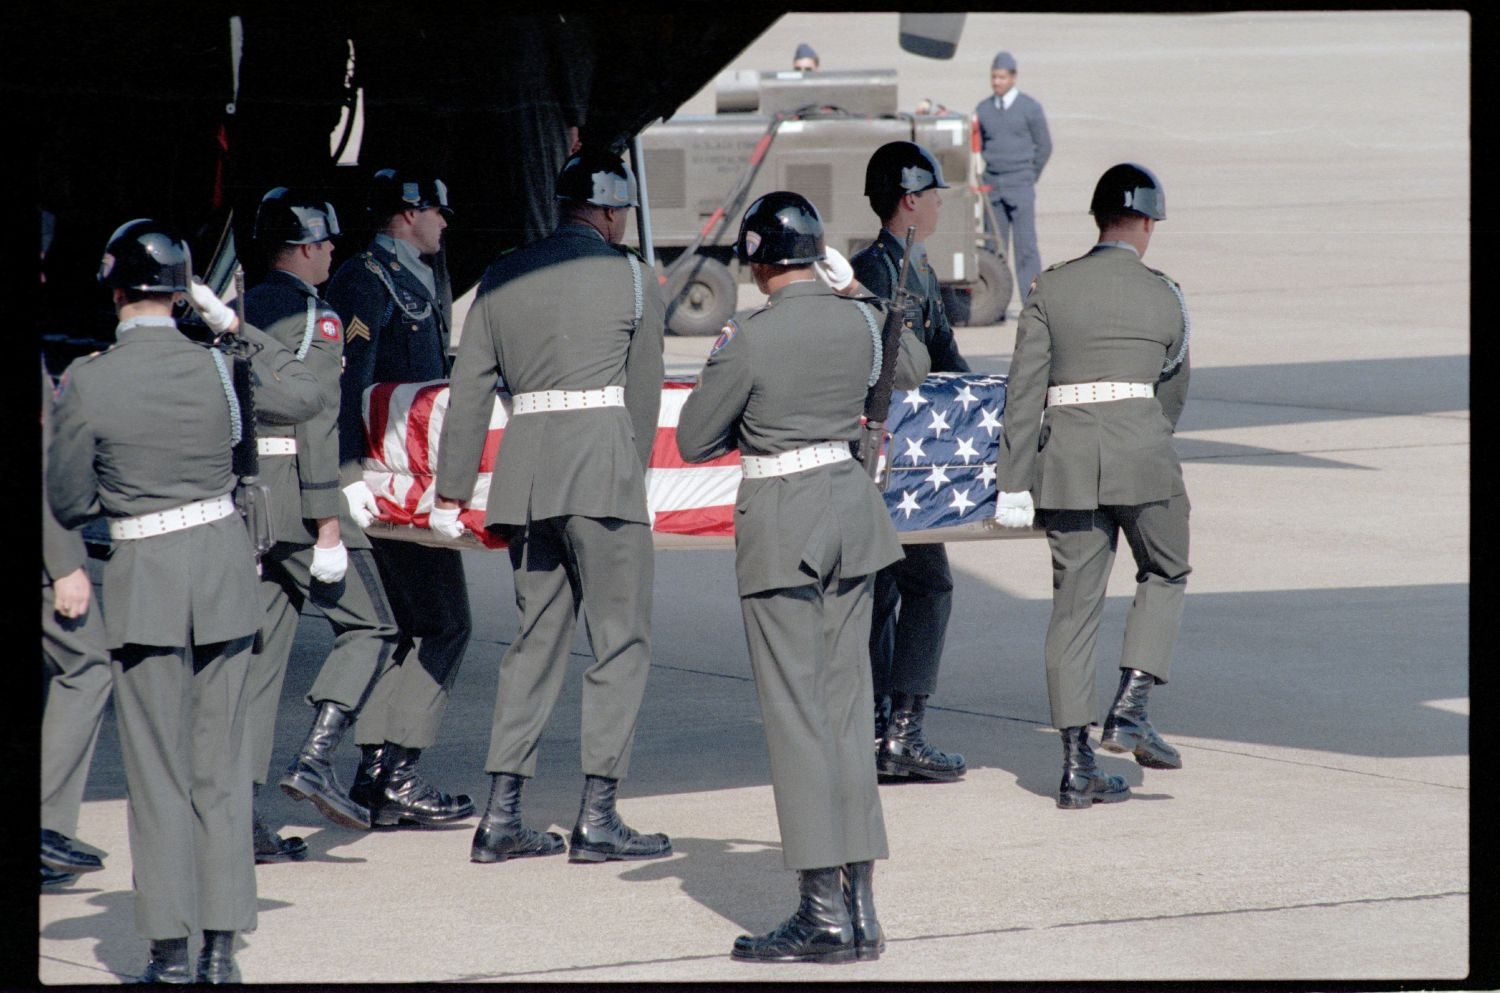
(811, 355)
(561, 311)
(1110, 318)
(160, 416)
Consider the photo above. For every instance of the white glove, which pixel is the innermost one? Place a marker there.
(835, 270)
(1015, 510)
(215, 312)
(445, 522)
(362, 505)
(330, 564)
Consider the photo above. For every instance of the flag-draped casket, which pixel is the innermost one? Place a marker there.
(945, 436)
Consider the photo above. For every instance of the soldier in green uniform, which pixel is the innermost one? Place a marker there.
(76, 665)
(913, 597)
(143, 435)
(787, 389)
(1102, 343)
(573, 326)
(320, 554)
(396, 311)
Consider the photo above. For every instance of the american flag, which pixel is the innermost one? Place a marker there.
(945, 437)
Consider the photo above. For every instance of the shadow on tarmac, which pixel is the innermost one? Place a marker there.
(1297, 392)
(1363, 688)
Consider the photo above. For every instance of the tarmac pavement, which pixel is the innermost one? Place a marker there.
(1317, 177)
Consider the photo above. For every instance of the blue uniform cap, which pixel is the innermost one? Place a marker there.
(1003, 60)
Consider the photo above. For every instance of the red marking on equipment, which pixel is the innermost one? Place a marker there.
(760, 149)
(712, 220)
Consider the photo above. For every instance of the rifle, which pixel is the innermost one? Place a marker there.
(878, 400)
(252, 498)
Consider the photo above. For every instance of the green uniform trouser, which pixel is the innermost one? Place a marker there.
(73, 654)
(607, 565)
(913, 599)
(181, 713)
(1083, 551)
(809, 651)
(430, 600)
(364, 639)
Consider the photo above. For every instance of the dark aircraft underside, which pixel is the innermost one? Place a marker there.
(134, 112)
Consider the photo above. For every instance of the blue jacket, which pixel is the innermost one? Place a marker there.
(394, 332)
(1016, 142)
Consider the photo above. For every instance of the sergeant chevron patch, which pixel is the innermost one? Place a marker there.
(357, 329)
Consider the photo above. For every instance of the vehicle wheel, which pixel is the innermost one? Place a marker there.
(701, 295)
(991, 293)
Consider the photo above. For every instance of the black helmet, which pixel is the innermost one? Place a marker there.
(395, 190)
(146, 255)
(781, 228)
(901, 167)
(600, 178)
(1128, 186)
(287, 218)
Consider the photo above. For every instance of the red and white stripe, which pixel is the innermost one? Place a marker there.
(404, 423)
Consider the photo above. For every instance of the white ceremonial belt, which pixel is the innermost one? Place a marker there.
(532, 403)
(276, 446)
(1061, 396)
(797, 460)
(173, 519)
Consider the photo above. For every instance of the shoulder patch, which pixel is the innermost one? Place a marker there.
(358, 329)
(328, 327)
(725, 336)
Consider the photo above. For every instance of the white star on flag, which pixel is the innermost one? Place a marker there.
(987, 474)
(908, 502)
(965, 397)
(914, 449)
(961, 501)
(966, 449)
(938, 477)
(989, 421)
(915, 398)
(939, 422)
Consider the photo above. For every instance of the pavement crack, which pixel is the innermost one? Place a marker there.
(990, 932)
(1331, 768)
(1313, 451)
(1453, 414)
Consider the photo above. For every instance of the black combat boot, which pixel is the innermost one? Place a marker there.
(501, 835)
(271, 847)
(169, 962)
(66, 855)
(859, 897)
(882, 721)
(820, 930)
(1126, 729)
(370, 775)
(905, 752)
(1082, 782)
(311, 775)
(410, 799)
(600, 834)
(216, 960)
